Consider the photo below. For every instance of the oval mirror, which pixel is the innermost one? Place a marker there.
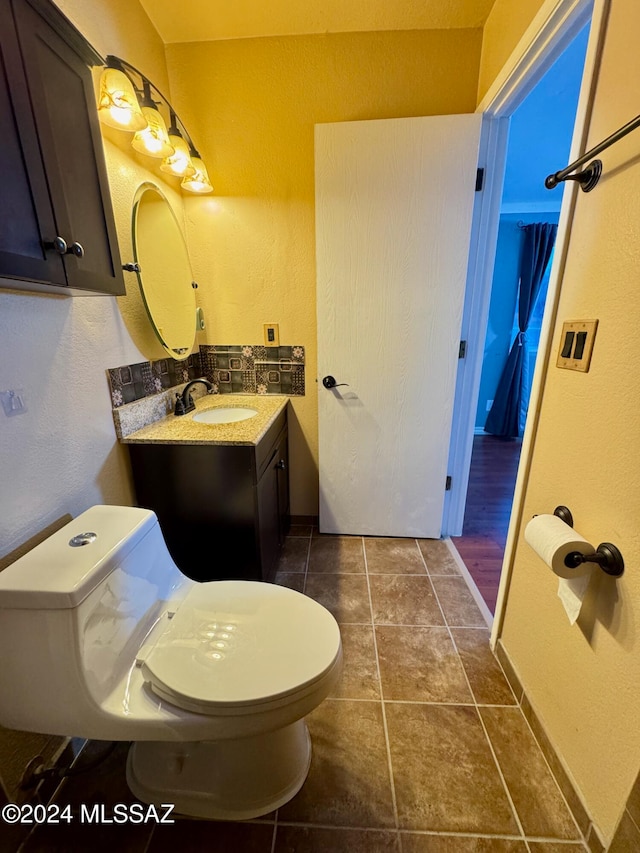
(165, 277)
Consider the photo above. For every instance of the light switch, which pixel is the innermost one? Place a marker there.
(576, 345)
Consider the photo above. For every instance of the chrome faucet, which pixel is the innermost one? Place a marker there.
(184, 401)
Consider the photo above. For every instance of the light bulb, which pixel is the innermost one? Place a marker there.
(179, 163)
(154, 140)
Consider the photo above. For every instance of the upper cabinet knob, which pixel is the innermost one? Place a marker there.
(59, 245)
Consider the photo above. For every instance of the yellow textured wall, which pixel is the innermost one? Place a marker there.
(252, 105)
(584, 681)
(503, 29)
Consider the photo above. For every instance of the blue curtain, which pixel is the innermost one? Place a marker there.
(504, 417)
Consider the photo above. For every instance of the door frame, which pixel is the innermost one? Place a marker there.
(552, 29)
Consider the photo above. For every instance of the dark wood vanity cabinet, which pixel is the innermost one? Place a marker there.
(54, 192)
(223, 509)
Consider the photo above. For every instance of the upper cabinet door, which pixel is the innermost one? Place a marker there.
(25, 206)
(51, 104)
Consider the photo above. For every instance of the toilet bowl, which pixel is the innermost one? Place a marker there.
(210, 681)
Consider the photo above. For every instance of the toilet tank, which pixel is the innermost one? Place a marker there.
(74, 612)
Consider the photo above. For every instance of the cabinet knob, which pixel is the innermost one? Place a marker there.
(59, 245)
(281, 465)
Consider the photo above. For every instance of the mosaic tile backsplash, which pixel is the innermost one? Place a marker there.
(135, 381)
(252, 369)
(230, 369)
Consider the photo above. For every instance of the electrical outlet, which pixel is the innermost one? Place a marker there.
(271, 335)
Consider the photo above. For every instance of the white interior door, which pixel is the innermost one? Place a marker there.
(394, 202)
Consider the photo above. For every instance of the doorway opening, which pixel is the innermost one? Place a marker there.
(540, 133)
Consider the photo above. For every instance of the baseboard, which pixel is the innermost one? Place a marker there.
(305, 520)
(569, 791)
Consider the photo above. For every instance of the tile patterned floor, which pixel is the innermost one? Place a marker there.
(420, 749)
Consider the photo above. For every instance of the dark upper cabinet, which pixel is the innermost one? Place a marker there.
(54, 191)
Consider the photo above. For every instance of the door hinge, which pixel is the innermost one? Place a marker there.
(462, 350)
(447, 486)
(479, 180)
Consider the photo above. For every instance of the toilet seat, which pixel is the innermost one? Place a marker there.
(237, 647)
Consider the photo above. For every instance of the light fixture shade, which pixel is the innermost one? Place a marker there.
(179, 163)
(117, 102)
(198, 182)
(154, 140)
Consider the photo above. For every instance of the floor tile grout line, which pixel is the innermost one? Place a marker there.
(506, 836)
(479, 715)
(495, 757)
(437, 597)
(392, 783)
(275, 833)
(430, 833)
(149, 839)
(306, 565)
(470, 704)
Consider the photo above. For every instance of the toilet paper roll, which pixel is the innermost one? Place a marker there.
(553, 540)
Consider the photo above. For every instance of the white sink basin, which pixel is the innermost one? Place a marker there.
(225, 415)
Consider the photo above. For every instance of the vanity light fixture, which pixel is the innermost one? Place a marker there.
(117, 102)
(129, 101)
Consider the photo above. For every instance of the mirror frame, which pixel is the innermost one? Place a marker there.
(148, 186)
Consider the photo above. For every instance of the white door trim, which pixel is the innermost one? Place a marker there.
(552, 29)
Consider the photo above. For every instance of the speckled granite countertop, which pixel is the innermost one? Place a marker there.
(184, 430)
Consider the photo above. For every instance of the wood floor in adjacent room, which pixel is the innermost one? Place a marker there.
(492, 479)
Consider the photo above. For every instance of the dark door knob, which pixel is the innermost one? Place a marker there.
(330, 382)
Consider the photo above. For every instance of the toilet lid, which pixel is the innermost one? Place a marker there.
(234, 643)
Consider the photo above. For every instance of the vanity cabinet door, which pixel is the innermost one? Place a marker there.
(273, 506)
(55, 119)
(268, 518)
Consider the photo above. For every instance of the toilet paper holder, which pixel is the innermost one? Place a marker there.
(607, 556)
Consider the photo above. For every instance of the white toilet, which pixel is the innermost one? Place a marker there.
(210, 681)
